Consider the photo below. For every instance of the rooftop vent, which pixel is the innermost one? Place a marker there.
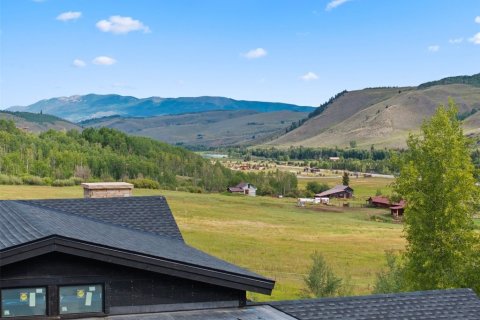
(107, 190)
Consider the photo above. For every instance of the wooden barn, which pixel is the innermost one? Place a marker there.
(339, 191)
(379, 202)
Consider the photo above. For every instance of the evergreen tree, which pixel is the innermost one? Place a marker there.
(345, 179)
(437, 181)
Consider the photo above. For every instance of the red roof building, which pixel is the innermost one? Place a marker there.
(379, 201)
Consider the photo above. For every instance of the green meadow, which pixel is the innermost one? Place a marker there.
(270, 236)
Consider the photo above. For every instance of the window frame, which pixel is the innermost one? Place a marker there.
(79, 314)
(47, 309)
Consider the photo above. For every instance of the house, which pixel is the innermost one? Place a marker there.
(108, 256)
(125, 258)
(398, 208)
(379, 202)
(243, 188)
(339, 191)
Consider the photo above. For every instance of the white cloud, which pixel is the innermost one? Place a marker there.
(434, 48)
(69, 15)
(335, 3)
(477, 19)
(456, 40)
(255, 53)
(121, 25)
(79, 63)
(309, 76)
(104, 61)
(475, 39)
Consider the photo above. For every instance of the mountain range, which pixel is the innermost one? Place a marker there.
(83, 107)
(382, 116)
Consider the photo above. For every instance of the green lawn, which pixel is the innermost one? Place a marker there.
(268, 235)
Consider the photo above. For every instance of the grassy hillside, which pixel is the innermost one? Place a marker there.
(36, 122)
(382, 117)
(272, 236)
(78, 108)
(210, 129)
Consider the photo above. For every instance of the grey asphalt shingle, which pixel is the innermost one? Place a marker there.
(248, 313)
(422, 305)
(149, 214)
(21, 223)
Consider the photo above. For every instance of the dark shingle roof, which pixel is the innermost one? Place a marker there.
(247, 313)
(422, 305)
(22, 222)
(149, 214)
(336, 189)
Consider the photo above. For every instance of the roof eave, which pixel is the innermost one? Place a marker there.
(131, 259)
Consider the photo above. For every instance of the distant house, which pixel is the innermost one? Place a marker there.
(398, 208)
(379, 202)
(244, 188)
(339, 191)
(334, 158)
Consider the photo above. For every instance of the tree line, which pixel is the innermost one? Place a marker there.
(55, 157)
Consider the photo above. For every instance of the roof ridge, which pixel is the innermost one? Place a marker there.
(25, 202)
(373, 296)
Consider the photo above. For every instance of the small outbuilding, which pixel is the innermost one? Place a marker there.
(339, 191)
(379, 202)
(244, 188)
(397, 209)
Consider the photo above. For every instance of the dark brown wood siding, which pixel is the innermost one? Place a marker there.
(125, 288)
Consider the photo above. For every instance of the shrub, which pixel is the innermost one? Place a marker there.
(390, 280)
(194, 189)
(33, 180)
(316, 187)
(10, 180)
(143, 183)
(321, 281)
(77, 181)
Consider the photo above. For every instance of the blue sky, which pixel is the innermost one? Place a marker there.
(296, 51)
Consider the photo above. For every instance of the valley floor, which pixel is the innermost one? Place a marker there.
(270, 236)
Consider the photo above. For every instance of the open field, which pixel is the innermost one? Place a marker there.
(363, 187)
(268, 235)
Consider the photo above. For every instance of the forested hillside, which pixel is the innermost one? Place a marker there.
(37, 122)
(60, 158)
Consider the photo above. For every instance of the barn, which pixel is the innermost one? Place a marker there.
(379, 202)
(339, 191)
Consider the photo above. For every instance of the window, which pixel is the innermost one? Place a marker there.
(24, 302)
(81, 299)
